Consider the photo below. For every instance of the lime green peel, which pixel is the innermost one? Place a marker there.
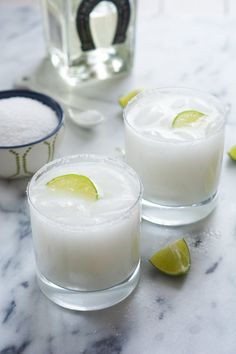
(174, 259)
(232, 153)
(76, 184)
(186, 118)
(124, 100)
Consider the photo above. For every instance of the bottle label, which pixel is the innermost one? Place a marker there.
(83, 26)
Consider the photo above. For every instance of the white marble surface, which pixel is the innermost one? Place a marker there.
(191, 315)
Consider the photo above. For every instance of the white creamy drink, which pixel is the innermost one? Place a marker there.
(178, 165)
(84, 244)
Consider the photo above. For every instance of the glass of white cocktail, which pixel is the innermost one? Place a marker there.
(174, 139)
(85, 217)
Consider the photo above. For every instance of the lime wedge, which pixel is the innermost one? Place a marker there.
(124, 100)
(232, 153)
(173, 259)
(77, 184)
(185, 118)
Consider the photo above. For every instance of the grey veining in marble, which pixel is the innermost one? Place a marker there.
(195, 314)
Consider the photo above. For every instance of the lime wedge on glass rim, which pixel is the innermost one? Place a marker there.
(232, 153)
(76, 184)
(185, 118)
(124, 100)
(173, 259)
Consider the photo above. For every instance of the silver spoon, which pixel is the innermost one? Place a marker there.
(85, 119)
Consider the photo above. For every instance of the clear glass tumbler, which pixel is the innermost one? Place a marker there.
(178, 162)
(90, 39)
(87, 252)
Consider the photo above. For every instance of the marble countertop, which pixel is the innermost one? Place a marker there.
(191, 315)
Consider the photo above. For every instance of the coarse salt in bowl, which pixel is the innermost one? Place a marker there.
(31, 128)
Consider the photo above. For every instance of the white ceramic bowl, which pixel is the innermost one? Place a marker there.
(24, 160)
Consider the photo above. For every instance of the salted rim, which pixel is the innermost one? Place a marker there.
(134, 101)
(86, 158)
(42, 98)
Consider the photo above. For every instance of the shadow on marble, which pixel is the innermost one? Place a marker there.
(166, 280)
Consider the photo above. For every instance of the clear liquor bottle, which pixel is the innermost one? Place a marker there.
(90, 39)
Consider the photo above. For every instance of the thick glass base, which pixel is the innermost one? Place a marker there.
(89, 300)
(177, 215)
(100, 64)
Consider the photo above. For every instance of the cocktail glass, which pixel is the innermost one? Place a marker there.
(179, 168)
(87, 259)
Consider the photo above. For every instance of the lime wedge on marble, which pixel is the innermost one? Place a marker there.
(232, 153)
(124, 100)
(77, 184)
(173, 259)
(185, 118)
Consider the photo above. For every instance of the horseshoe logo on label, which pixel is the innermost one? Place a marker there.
(82, 22)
